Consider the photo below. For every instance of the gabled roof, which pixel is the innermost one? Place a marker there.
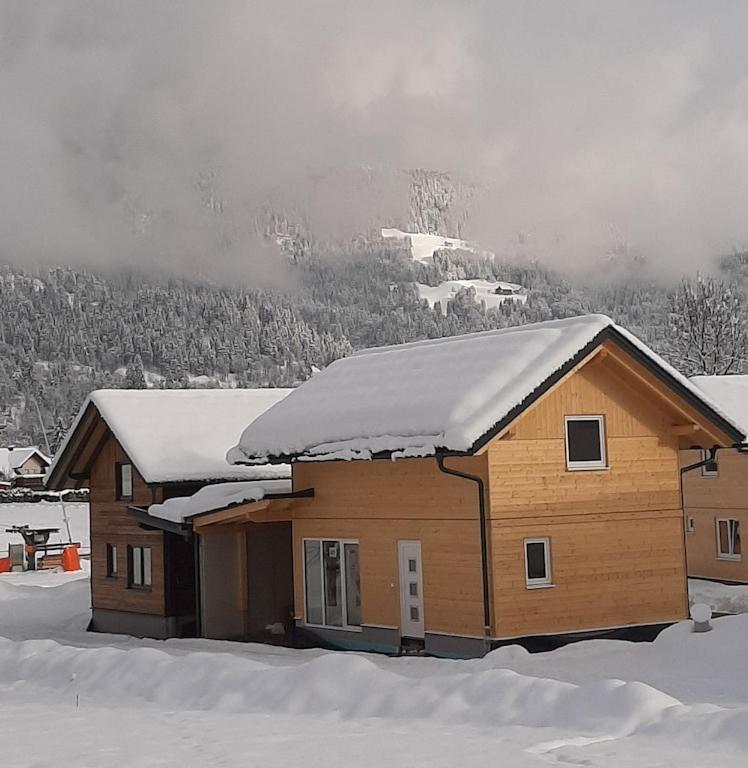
(170, 435)
(12, 459)
(448, 394)
(730, 393)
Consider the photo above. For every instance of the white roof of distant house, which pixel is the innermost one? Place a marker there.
(442, 394)
(174, 435)
(13, 458)
(729, 392)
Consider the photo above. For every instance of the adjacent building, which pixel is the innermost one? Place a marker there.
(137, 448)
(715, 494)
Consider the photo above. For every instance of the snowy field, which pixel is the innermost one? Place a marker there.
(484, 292)
(70, 698)
(44, 514)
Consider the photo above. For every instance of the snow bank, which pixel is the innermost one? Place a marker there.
(442, 393)
(730, 393)
(183, 434)
(214, 497)
(484, 291)
(723, 598)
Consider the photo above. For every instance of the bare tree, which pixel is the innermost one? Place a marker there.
(709, 327)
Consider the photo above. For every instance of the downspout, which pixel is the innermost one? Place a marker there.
(198, 585)
(483, 542)
(711, 456)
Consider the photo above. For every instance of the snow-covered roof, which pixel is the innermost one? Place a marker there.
(214, 497)
(442, 394)
(730, 393)
(13, 458)
(176, 435)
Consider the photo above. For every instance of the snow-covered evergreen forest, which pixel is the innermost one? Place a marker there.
(66, 331)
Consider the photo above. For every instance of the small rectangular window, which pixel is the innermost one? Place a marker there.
(139, 573)
(690, 524)
(124, 481)
(111, 561)
(711, 468)
(332, 583)
(538, 562)
(585, 442)
(728, 539)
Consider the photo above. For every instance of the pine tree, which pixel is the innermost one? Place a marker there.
(135, 375)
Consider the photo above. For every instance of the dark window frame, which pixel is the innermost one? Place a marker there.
(575, 465)
(142, 585)
(118, 480)
(112, 569)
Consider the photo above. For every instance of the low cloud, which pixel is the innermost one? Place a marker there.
(156, 133)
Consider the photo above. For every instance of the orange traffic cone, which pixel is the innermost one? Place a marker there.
(70, 559)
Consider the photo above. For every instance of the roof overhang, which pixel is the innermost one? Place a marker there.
(266, 509)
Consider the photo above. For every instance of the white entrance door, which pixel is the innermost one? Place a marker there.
(411, 589)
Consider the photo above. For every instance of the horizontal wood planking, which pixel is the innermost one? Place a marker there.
(709, 498)
(111, 523)
(606, 573)
(528, 472)
(381, 502)
(451, 569)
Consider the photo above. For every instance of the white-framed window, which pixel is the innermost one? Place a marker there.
(690, 524)
(711, 469)
(124, 481)
(585, 442)
(139, 567)
(332, 583)
(728, 539)
(538, 562)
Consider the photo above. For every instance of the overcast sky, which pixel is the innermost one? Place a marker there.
(584, 124)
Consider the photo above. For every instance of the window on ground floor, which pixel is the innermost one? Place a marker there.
(585, 442)
(332, 583)
(111, 561)
(728, 539)
(139, 567)
(538, 562)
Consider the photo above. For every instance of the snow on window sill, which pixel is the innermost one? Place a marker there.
(539, 586)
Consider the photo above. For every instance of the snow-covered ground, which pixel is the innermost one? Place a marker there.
(485, 292)
(44, 514)
(723, 598)
(71, 698)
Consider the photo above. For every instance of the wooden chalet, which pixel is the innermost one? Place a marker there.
(136, 448)
(456, 494)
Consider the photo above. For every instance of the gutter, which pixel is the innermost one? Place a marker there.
(483, 541)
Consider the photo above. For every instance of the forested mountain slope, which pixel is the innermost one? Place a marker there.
(64, 331)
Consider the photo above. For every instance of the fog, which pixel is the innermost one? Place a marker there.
(154, 133)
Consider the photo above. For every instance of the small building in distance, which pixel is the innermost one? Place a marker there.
(715, 495)
(23, 467)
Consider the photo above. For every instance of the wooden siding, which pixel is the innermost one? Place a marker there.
(381, 502)
(617, 552)
(112, 524)
(708, 498)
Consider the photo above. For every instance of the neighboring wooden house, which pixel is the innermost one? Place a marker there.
(135, 448)
(23, 467)
(715, 494)
(460, 493)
